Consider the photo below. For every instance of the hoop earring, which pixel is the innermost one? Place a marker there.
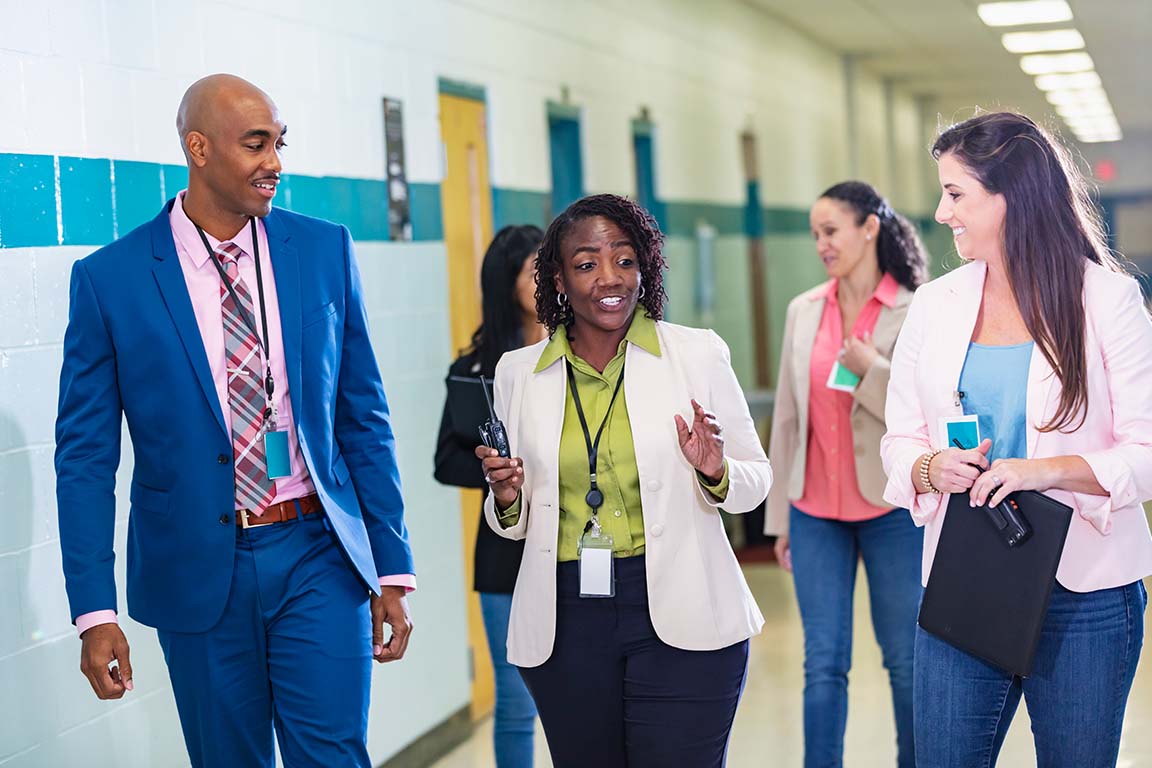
(642, 292)
(561, 300)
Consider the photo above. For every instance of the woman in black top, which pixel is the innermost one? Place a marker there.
(508, 286)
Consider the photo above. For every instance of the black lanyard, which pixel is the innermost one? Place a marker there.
(269, 383)
(594, 497)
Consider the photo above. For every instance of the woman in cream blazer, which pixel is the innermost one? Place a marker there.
(650, 675)
(828, 509)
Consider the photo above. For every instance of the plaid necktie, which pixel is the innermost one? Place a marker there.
(246, 396)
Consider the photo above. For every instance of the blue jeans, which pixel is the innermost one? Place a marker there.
(515, 722)
(824, 557)
(1081, 676)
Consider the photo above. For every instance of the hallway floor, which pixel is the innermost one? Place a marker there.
(768, 724)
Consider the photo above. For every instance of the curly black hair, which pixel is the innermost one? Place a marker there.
(642, 230)
(898, 246)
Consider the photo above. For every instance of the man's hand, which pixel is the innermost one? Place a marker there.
(391, 608)
(101, 645)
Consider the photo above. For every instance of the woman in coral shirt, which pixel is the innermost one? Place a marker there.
(827, 507)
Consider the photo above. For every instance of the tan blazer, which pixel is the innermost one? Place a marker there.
(788, 449)
(697, 596)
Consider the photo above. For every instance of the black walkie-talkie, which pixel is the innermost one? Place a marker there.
(492, 432)
(1006, 517)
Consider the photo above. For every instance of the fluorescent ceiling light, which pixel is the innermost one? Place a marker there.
(1093, 125)
(1056, 63)
(1020, 13)
(1037, 42)
(1075, 120)
(1077, 80)
(1069, 111)
(1095, 120)
(1098, 138)
(1069, 96)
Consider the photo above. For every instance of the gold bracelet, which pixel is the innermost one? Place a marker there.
(925, 479)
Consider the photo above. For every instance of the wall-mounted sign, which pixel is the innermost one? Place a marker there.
(399, 212)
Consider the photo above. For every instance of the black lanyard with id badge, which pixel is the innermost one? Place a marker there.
(275, 441)
(595, 547)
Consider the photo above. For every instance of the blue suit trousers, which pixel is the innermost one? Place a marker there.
(291, 653)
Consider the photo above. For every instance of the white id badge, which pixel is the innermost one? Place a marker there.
(596, 577)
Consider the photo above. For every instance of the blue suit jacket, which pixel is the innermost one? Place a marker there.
(133, 348)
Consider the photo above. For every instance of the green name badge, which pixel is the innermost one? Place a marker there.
(842, 379)
(276, 455)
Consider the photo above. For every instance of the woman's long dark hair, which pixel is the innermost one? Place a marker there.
(641, 229)
(898, 247)
(1051, 230)
(502, 328)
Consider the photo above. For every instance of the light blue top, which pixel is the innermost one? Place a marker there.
(995, 386)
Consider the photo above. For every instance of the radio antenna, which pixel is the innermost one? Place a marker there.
(491, 410)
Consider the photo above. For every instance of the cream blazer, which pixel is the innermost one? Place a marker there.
(788, 447)
(697, 596)
(1108, 542)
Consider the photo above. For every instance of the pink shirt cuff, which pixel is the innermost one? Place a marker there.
(86, 621)
(407, 580)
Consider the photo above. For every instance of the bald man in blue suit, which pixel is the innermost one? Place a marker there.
(266, 538)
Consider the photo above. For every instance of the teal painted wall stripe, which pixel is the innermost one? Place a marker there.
(424, 202)
(101, 199)
(27, 201)
(138, 193)
(683, 217)
(519, 206)
(86, 200)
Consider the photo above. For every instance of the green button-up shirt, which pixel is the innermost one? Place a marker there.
(617, 477)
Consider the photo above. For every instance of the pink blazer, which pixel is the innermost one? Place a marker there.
(1109, 542)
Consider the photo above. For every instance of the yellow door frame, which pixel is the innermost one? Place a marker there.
(466, 205)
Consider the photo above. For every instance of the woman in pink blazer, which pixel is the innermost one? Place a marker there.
(1045, 340)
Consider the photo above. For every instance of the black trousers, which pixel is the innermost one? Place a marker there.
(613, 695)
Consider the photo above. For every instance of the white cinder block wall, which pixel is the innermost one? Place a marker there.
(102, 79)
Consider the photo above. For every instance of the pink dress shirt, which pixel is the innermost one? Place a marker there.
(204, 290)
(831, 490)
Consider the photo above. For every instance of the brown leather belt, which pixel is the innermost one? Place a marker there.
(278, 513)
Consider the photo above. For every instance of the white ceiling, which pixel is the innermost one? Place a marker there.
(941, 50)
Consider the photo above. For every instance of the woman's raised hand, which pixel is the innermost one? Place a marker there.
(703, 444)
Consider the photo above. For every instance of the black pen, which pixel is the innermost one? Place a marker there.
(956, 442)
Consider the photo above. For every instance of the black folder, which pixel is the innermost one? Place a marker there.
(987, 598)
(468, 405)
